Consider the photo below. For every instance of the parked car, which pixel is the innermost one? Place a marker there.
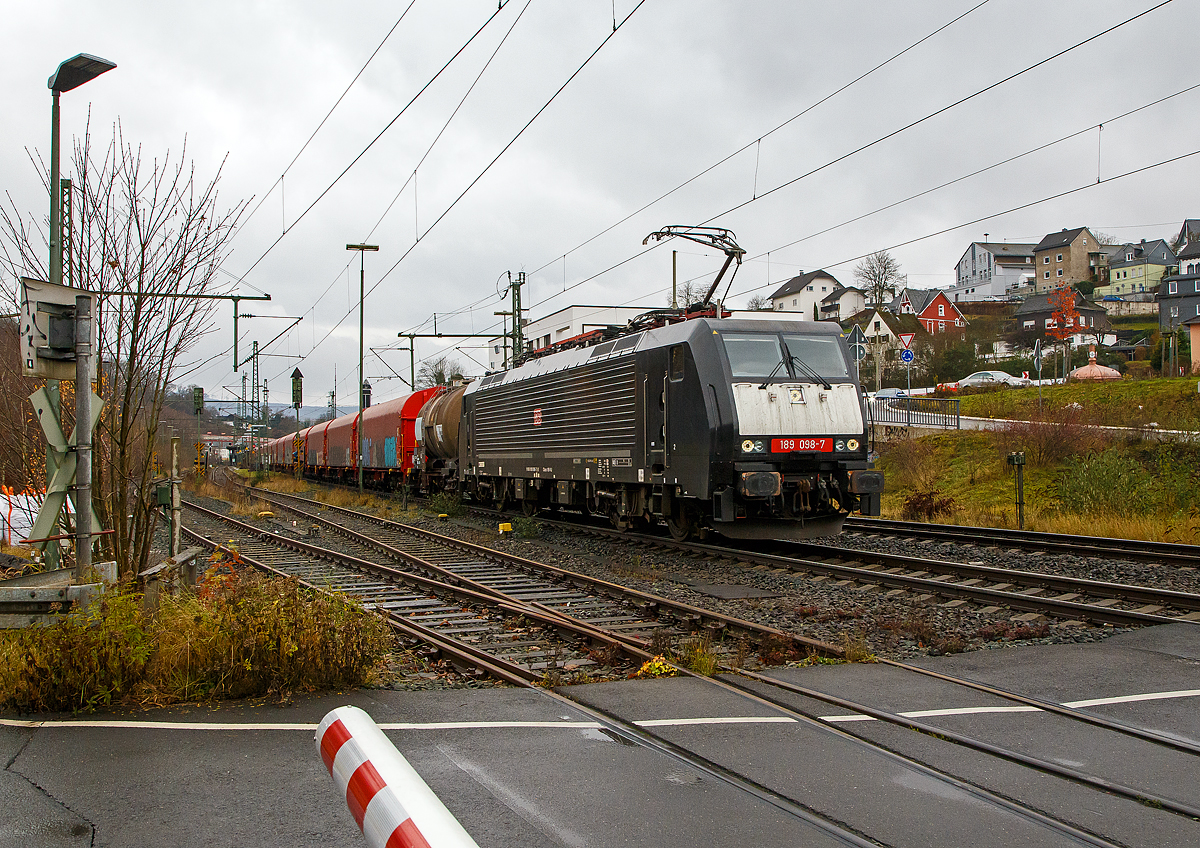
(987, 378)
(890, 393)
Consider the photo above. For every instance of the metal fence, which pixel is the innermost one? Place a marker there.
(919, 411)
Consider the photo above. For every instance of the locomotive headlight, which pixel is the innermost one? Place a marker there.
(748, 446)
(852, 445)
(839, 445)
(759, 447)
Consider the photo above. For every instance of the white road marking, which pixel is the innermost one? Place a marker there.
(574, 725)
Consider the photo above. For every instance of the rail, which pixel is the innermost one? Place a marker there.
(940, 413)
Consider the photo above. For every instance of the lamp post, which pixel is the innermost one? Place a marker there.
(361, 248)
(71, 74)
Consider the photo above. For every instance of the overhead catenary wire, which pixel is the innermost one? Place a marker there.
(1018, 208)
(488, 167)
(940, 111)
(341, 97)
(373, 141)
(758, 141)
(870, 144)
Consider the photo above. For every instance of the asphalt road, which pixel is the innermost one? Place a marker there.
(518, 769)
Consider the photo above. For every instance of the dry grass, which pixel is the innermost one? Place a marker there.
(249, 507)
(244, 636)
(283, 483)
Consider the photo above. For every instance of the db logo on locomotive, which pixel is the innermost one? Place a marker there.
(537, 417)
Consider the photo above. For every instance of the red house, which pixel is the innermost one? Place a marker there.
(933, 309)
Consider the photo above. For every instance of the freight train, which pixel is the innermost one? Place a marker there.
(750, 428)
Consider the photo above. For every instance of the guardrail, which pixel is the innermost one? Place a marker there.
(920, 411)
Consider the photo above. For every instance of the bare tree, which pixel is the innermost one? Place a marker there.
(146, 235)
(879, 276)
(688, 292)
(1105, 238)
(438, 372)
(759, 301)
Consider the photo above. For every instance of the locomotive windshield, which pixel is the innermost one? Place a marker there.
(760, 356)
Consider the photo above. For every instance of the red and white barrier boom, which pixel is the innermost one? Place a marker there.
(389, 800)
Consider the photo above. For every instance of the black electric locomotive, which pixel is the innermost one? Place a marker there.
(751, 428)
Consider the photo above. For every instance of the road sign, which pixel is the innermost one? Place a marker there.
(906, 340)
(906, 356)
(858, 344)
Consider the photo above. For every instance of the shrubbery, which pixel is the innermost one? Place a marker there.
(241, 636)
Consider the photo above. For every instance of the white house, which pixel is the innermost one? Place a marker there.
(992, 270)
(564, 324)
(804, 293)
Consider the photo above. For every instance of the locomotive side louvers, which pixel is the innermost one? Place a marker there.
(587, 411)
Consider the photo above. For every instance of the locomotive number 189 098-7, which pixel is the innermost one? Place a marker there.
(789, 445)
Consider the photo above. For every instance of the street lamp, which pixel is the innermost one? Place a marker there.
(361, 248)
(72, 73)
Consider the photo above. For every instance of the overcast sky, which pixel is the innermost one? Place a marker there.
(680, 86)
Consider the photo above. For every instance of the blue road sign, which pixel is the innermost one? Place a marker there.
(906, 356)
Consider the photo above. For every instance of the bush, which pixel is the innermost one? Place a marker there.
(243, 636)
(525, 527)
(1152, 479)
(1060, 434)
(925, 505)
(446, 503)
(914, 462)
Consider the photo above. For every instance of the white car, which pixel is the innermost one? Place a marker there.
(990, 378)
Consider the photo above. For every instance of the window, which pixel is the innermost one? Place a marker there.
(877, 326)
(1129, 257)
(1046, 259)
(1085, 241)
(1172, 287)
(677, 362)
(941, 326)
(1174, 311)
(793, 301)
(780, 306)
(1028, 325)
(1050, 324)
(941, 310)
(1045, 275)
(1059, 257)
(810, 288)
(1060, 272)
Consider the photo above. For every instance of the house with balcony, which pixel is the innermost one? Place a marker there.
(842, 301)
(992, 271)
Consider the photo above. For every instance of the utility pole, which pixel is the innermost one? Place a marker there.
(674, 278)
(362, 275)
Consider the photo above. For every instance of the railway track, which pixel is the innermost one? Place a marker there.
(510, 640)
(780, 696)
(1166, 553)
(935, 580)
